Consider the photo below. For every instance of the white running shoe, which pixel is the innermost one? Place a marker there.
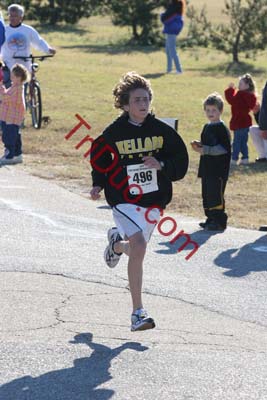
(112, 258)
(233, 162)
(244, 161)
(141, 321)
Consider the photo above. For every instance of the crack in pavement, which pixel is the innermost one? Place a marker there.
(182, 339)
(146, 291)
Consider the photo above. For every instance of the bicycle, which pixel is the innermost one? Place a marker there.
(33, 97)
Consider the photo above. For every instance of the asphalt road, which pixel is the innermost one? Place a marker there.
(65, 317)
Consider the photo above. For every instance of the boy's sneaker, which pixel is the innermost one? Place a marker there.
(212, 226)
(11, 161)
(204, 224)
(141, 321)
(111, 257)
(233, 162)
(8, 161)
(244, 161)
(18, 159)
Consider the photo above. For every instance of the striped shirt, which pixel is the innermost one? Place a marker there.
(12, 108)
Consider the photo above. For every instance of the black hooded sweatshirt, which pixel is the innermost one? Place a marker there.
(119, 150)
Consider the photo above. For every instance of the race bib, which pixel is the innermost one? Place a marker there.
(143, 178)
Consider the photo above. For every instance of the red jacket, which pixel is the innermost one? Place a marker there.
(242, 102)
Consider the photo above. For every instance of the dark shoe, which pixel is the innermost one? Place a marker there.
(10, 161)
(260, 160)
(212, 226)
(263, 228)
(203, 224)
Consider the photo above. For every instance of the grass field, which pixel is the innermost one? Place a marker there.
(90, 59)
(213, 8)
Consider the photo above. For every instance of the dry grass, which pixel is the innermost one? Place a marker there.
(213, 8)
(91, 57)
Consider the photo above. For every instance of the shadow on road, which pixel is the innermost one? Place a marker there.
(79, 382)
(241, 261)
(200, 237)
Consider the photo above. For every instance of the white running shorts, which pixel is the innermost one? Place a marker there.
(130, 219)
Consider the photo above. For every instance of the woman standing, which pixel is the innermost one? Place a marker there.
(173, 22)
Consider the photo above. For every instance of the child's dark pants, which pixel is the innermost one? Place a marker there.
(11, 139)
(213, 199)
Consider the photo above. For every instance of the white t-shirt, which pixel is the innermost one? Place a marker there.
(19, 41)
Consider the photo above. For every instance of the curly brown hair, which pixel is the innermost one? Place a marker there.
(129, 82)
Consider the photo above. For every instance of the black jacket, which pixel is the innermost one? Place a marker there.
(215, 139)
(263, 111)
(123, 144)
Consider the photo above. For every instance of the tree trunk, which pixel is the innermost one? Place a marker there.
(135, 33)
(235, 54)
(235, 49)
(53, 13)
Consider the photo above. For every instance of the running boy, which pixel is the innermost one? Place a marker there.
(134, 161)
(215, 151)
(12, 111)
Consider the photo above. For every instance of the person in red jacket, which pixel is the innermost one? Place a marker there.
(242, 101)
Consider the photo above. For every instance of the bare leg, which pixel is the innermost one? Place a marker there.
(135, 268)
(135, 249)
(122, 247)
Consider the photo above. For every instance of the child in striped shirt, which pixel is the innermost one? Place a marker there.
(12, 113)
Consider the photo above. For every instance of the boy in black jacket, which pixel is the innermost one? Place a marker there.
(134, 161)
(215, 151)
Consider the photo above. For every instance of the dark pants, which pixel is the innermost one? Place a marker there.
(213, 199)
(11, 139)
(6, 79)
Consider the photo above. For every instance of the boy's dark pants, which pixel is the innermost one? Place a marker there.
(213, 199)
(11, 139)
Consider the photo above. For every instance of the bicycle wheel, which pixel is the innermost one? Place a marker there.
(36, 106)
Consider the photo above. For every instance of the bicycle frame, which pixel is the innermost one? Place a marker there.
(33, 97)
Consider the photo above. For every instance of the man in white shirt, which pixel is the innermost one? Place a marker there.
(19, 40)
